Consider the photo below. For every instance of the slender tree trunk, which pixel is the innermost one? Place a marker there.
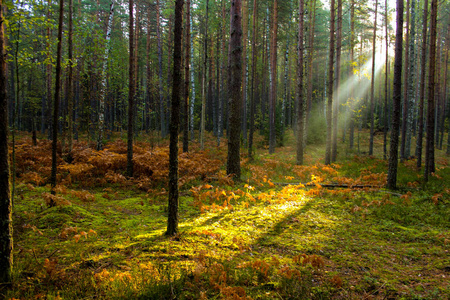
(393, 151)
(273, 82)
(301, 101)
(205, 69)
(191, 111)
(330, 84)
(244, 69)
(312, 23)
(172, 222)
(405, 86)
(102, 92)
(131, 92)
(385, 129)
(422, 86)
(252, 87)
(187, 49)
(337, 82)
(410, 83)
(352, 59)
(56, 100)
(162, 111)
(6, 235)
(70, 83)
(372, 82)
(233, 158)
(429, 149)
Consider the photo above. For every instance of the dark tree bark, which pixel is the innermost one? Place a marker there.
(234, 102)
(244, 69)
(6, 237)
(70, 82)
(422, 86)
(273, 81)
(187, 55)
(131, 92)
(405, 87)
(252, 84)
(162, 111)
(372, 82)
(172, 221)
(385, 129)
(301, 101)
(337, 82)
(429, 149)
(204, 80)
(397, 97)
(56, 100)
(330, 84)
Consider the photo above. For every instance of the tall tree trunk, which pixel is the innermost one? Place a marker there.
(102, 92)
(131, 92)
(422, 86)
(244, 69)
(352, 68)
(429, 149)
(372, 82)
(6, 235)
(410, 83)
(337, 82)
(397, 97)
(405, 86)
(273, 81)
(252, 87)
(330, 84)
(56, 100)
(187, 49)
(162, 111)
(312, 23)
(172, 221)
(233, 158)
(385, 129)
(301, 101)
(205, 59)
(191, 110)
(70, 83)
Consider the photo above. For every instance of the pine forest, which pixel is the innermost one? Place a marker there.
(214, 149)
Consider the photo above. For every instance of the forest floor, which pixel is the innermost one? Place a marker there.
(267, 237)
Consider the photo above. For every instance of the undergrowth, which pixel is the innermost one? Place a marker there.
(284, 232)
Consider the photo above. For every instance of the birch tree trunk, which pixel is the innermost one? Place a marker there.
(102, 92)
(411, 80)
(187, 44)
(422, 86)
